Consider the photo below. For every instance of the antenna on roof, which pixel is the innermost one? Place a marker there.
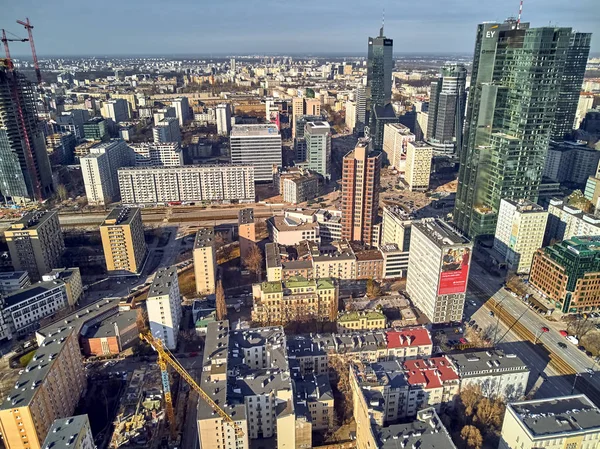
(520, 12)
(382, 23)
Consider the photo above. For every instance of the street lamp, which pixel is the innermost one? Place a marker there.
(543, 330)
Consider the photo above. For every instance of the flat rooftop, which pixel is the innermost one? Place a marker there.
(32, 221)
(205, 237)
(12, 275)
(254, 130)
(425, 432)
(524, 205)
(318, 127)
(106, 327)
(440, 232)
(554, 416)
(120, 216)
(246, 216)
(163, 279)
(26, 293)
(65, 432)
(491, 362)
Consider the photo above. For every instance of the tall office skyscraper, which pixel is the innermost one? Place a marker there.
(223, 113)
(318, 147)
(25, 173)
(379, 70)
(515, 85)
(360, 192)
(571, 82)
(447, 103)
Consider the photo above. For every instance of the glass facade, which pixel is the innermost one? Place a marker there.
(515, 85)
(379, 71)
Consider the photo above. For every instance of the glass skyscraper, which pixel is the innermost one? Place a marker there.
(379, 72)
(25, 173)
(515, 86)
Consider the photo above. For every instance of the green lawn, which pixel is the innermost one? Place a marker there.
(25, 359)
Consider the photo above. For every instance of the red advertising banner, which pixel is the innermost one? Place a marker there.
(455, 271)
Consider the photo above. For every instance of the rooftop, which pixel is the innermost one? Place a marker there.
(107, 327)
(120, 216)
(32, 221)
(184, 168)
(163, 280)
(440, 232)
(426, 432)
(399, 128)
(353, 316)
(269, 129)
(205, 237)
(431, 372)
(283, 224)
(317, 127)
(65, 432)
(26, 293)
(491, 362)
(419, 144)
(524, 205)
(566, 415)
(246, 216)
(408, 336)
(12, 275)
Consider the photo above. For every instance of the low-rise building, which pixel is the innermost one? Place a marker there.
(568, 422)
(292, 229)
(363, 320)
(336, 260)
(300, 188)
(409, 343)
(497, 374)
(110, 336)
(395, 261)
(369, 264)
(295, 299)
(330, 225)
(72, 279)
(285, 262)
(308, 354)
(567, 272)
(73, 432)
(13, 281)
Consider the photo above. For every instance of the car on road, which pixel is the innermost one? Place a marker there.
(463, 341)
(563, 333)
(491, 313)
(545, 329)
(562, 345)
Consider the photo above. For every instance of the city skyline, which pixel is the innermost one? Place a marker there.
(335, 27)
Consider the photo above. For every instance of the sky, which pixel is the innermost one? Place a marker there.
(225, 27)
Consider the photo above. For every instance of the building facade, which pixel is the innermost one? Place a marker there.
(318, 148)
(379, 70)
(205, 261)
(418, 166)
(122, 234)
(223, 115)
(35, 243)
(258, 146)
(395, 139)
(73, 432)
(565, 222)
(438, 270)
(167, 130)
(157, 154)
(164, 306)
(362, 320)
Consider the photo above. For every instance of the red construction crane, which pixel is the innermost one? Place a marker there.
(28, 26)
(5, 41)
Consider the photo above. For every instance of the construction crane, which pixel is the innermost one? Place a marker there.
(5, 41)
(166, 358)
(28, 26)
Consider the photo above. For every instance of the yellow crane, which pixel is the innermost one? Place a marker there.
(165, 357)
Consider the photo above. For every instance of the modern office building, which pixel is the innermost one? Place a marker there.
(246, 231)
(164, 306)
(395, 140)
(73, 432)
(95, 128)
(360, 192)
(509, 121)
(566, 221)
(182, 110)
(447, 104)
(360, 95)
(318, 148)
(572, 162)
(61, 147)
(157, 154)
(571, 84)
(117, 110)
(122, 234)
(566, 274)
(258, 146)
(35, 243)
(379, 71)
(204, 256)
(567, 421)
(395, 241)
(519, 233)
(167, 130)
(438, 270)
(223, 115)
(72, 121)
(380, 117)
(100, 170)
(190, 183)
(25, 173)
(296, 299)
(418, 166)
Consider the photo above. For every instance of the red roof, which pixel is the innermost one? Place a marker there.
(410, 336)
(430, 372)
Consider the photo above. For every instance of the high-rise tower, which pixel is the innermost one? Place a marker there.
(25, 173)
(379, 71)
(515, 85)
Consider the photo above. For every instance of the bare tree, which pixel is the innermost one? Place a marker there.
(62, 192)
(253, 260)
(579, 327)
(221, 304)
(469, 397)
(489, 413)
(341, 376)
(373, 289)
(591, 341)
(333, 309)
(141, 320)
(471, 436)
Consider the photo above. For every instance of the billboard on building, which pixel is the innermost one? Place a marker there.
(455, 271)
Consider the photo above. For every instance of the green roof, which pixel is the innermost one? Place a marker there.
(353, 316)
(299, 281)
(271, 287)
(325, 283)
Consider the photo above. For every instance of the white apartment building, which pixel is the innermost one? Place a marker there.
(330, 224)
(152, 185)
(12, 281)
(157, 154)
(519, 232)
(566, 221)
(182, 109)
(99, 169)
(167, 130)
(164, 306)
(259, 146)
(223, 114)
(205, 261)
(395, 139)
(350, 115)
(24, 309)
(418, 166)
(438, 270)
(318, 148)
(117, 110)
(395, 241)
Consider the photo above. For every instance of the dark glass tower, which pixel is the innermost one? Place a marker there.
(25, 173)
(515, 85)
(570, 86)
(447, 104)
(379, 72)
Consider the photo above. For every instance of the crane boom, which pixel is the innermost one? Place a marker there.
(28, 26)
(165, 357)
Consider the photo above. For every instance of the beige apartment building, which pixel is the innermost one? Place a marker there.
(360, 320)
(72, 279)
(418, 166)
(295, 299)
(35, 243)
(395, 139)
(205, 261)
(246, 231)
(123, 241)
(569, 422)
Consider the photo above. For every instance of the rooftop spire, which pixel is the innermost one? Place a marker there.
(382, 23)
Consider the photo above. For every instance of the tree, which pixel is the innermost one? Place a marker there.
(221, 304)
(373, 289)
(253, 260)
(489, 413)
(333, 309)
(341, 375)
(469, 397)
(579, 327)
(141, 320)
(471, 437)
(578, 200)
(62, 192)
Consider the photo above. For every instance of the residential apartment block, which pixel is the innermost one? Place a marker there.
(190, 183)
(258, 146)
(361, 320)
(571, 162)
(246, 231)
(12, 281)
(205, 261)
(167, 130)
(318, 148)
(395, 140)
(157, 154)
(164, 306)
(418, 166)
(566, 221)
(122, 234)
(292, 228)
(72, 279)
(74, 432)
(35, 243)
